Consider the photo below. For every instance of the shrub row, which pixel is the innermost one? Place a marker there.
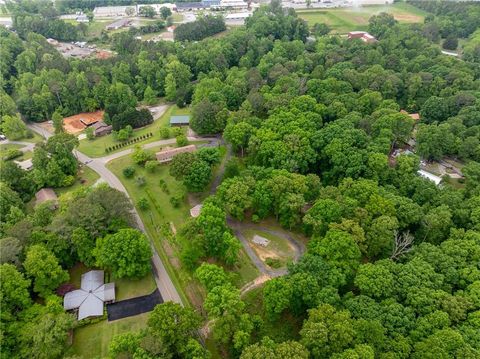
(129, 142)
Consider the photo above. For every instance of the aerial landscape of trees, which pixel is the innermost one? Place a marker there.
(391, 265)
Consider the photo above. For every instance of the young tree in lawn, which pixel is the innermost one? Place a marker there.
(57, 120)
(147, 11)
(165, 12)
(181, 140)
(41, 265)
(126, 253)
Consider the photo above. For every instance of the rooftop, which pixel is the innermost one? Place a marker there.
(45, 194)
(90, 297)
(182, 119)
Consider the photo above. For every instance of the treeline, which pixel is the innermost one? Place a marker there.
(40, 17)
(458, 18)
(199, 29)
(65, 6)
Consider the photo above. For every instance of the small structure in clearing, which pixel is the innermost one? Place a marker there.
(262, 241)
(183, 120)
(44, 195)
(362, 35)
(89, 299)
(100, 128)
(195, 211)
(168, 154)
(430, 176)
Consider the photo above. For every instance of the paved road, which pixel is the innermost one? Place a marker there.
(164, 283)
(27, 146)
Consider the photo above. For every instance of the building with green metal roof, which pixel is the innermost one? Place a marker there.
(182, 120)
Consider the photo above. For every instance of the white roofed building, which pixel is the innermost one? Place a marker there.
(89, 299)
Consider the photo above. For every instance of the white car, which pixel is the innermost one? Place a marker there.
(3, 137)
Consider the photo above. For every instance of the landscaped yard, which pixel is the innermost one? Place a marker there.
(96, 147)
(344, 20)
(92, 341)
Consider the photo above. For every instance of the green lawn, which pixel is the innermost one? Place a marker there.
(4, 148)
(245, 269)
(96, 147)
(92, 341)
(177, 17)
(344, 20)
(131, 288)
(85, 178)
(34, 139)
(161, 212)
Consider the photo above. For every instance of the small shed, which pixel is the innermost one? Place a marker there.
(262, 241)
(182, 120)
(195, 211)
(44, 195)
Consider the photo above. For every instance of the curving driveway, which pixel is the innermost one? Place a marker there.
(237, 228)
(162, 279)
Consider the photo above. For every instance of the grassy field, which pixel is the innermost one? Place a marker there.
(96, 147)
(92, 341)
(343, 20)
(5, 147)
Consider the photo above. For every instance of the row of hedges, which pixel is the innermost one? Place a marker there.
(128, 142)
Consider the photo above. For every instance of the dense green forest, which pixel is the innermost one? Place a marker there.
(392, 267)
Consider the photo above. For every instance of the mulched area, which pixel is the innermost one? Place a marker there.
(134, 306)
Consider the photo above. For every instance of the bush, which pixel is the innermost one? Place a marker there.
(128, 171)
(177, 199)
(211, 155)
(182, 140)
(143, 204)
(150, 166)
(140, 180)
(164, 132)
(176, 131)
(273, 262)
